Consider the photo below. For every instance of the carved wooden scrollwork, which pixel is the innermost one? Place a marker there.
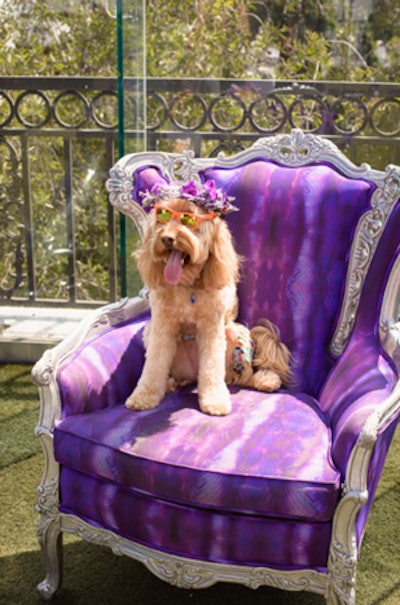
(182, 575)
(365, 243)
(47, 505)
(188, 574)
(295, 149)
(342, 566)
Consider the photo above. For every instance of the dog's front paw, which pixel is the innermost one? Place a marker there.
(143, 399)
(266, 380)
(216, 402)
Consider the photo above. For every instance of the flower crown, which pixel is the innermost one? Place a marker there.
(205, 195)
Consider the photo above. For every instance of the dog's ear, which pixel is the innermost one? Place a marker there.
(222, 266)
(151, 272)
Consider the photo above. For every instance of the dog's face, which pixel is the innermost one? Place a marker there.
(181, 249)
(178, 249)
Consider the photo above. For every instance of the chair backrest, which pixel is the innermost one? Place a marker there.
(308, 224)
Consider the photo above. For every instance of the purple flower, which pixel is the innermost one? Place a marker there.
(155, 189)
(189, 190)
(210, 190)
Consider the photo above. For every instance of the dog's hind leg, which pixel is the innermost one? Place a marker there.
(271, 363)
(265, 380)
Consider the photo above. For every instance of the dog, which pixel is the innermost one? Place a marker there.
(189, 264)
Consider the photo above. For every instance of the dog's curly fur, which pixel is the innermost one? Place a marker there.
(202, 304)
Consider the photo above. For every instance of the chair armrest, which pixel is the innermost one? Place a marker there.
(363, 382)
(362, 399)
(96, 366)
(390, 337)
(376, 426)
(361, 479)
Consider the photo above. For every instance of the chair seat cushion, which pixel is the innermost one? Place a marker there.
(270, 456)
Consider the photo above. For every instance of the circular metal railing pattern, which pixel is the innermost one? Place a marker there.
(265, 114)
(240, 110)
(6, 109)
(209, 116)
(385, 117)
(70, 109)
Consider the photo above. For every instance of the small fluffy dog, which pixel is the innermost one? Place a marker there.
(188, 262)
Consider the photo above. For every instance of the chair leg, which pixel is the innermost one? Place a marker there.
(50, 540)
(342, 581)
(49, 525)
(338, 598)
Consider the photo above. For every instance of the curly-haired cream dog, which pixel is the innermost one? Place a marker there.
(189, 264)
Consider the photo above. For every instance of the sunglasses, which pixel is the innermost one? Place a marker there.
(187, 219)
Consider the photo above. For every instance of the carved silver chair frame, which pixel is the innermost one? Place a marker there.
(338, 585)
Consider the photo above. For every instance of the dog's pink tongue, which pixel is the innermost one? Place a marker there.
(173, 269)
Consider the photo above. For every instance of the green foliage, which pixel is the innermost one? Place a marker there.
(205, 38)
(284, 39)
(389, 70)
(56, 38)
(306, 14)
(385, 20)
(60, 38)
(199, 39)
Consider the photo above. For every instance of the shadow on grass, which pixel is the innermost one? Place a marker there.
(94, 575)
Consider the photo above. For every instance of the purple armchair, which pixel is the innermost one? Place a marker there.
(278, 492)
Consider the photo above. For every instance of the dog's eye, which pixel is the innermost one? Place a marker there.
(188, 220)
(164, 215)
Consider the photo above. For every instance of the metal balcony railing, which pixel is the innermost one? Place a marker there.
(58, 234)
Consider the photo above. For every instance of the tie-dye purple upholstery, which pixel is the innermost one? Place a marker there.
(359, 384)
(258, 486)
(103, 371)
(177, 453)
(299, 224)
(193, 532)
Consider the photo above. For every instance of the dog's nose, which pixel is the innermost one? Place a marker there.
(168, 241)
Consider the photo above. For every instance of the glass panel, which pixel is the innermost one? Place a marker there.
(220, 74)
(131, 63)
(223, 73)
(59, 239)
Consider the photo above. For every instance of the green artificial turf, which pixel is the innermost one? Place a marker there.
(93, 575)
